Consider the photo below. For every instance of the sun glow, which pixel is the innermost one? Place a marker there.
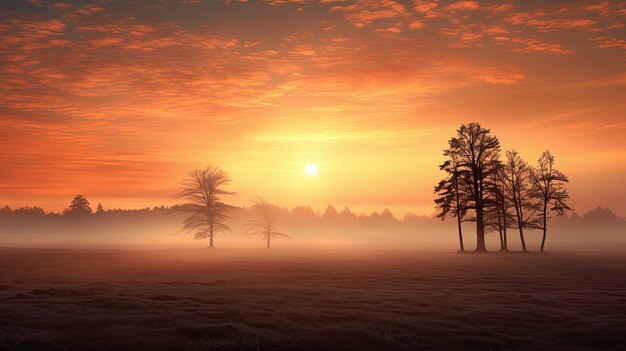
(311, 169)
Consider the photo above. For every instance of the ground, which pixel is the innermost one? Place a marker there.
(310, 300)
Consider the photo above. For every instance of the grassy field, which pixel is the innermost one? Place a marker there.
(317, 300)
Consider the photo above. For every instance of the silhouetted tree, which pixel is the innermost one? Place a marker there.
(508, 219)
(304, 214)
(28, 213)
(497, 204)
(548, 186)
(79, 205)
(205, 211)
(474, 148)
(264, 225)
(449, 196)
(346, 215)
(99, 209)
(493, 217)
(330, 214)
(516, 173)
(6, 211)
(385, 217)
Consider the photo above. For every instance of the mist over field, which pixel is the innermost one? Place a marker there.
(598, 229)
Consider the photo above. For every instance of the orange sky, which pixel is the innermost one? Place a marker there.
(118, 100)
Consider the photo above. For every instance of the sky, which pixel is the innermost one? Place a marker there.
(118, 100)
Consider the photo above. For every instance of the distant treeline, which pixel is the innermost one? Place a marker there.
(38, 213)
(302, 214)
(598, 217)
(155, 227)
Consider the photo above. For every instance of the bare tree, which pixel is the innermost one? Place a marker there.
(264, 225)
(205, 211)
(548, 186)
(498, 216)
(493, 215)
(493, 223)
(508, 219)
(449, 196)
(518, 188)
(475, 149)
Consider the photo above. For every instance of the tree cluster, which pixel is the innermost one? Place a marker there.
(497, 194)
(206, 213)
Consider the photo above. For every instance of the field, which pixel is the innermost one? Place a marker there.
(317, 300)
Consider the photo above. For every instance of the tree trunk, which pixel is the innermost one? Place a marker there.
(545, 229)
(458, 221)
(521, 230)
(505, 247)
(520, 224)
(458, 212)
(521, 236)
(480, 219)
(499, 224)
(480, 230)
(211, 236)
(268, 241)
(504, 225)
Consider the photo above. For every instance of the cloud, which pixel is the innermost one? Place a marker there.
(463, 5)
(416, 24)
(425, 6)
(104, 42)
(526, 45)
(88, 10)
(542, 21)
(392, 30)
(604, 42)
(283, 2)
(500, 8)
(61, 5)
(363, 12)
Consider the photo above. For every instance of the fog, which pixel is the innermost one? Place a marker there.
(155, 228)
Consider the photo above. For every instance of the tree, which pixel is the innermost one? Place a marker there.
(347, 216)
(330, 214)
(516, 173)
(99, 209)
(304, 215)
(79, 206)
(264, 223)
(548, 186)
(205, 211)
(449, 200)
(493, 217)
(504, 205)
(474, 148)
(498, 217)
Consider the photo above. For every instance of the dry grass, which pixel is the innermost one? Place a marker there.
(318, 300)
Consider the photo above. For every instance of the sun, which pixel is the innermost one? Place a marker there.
(311, 169)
